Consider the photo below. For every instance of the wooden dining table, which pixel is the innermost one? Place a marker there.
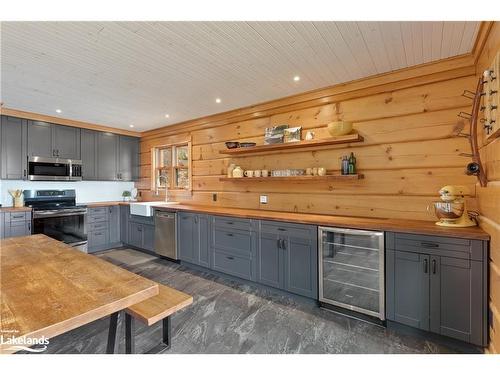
(48, 288)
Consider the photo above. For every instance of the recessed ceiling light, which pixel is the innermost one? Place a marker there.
(167, 115)
(217, 100)
(58, 111)
(296, 78)
(131, 125)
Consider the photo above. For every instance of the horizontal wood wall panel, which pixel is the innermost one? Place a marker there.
(424, 126)
(489, 197)
(409, 151)
(491, 160)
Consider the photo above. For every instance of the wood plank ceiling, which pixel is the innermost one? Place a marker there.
(122, 73)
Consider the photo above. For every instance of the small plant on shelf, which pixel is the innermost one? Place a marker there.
(126, 195)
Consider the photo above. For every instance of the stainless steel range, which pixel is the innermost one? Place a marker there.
(56, 215)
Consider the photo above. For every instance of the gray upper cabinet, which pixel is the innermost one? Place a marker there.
(51, 140)
(40, 139)
(66, 142)
(13, 135)
(107, 156)
(1, 225)
(128, 158)
(438, 284)
(89, 154)
(117, 157)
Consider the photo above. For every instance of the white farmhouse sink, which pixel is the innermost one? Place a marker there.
(145, 208)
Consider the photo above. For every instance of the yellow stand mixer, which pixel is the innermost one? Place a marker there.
(452, 210)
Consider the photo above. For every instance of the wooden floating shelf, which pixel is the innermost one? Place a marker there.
(350, 138)
(293, 178)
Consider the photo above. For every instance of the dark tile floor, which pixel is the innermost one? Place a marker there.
(230, 317)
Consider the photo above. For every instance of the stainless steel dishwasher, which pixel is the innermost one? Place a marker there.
(165, 234)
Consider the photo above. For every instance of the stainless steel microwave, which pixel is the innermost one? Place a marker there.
(54, 169)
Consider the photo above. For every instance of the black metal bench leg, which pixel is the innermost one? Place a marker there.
(167, 332)
(113, 323)
(129, 334)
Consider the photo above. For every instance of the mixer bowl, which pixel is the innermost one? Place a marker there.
(449, 210)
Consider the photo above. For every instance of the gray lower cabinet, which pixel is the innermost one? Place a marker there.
(141, 235)
(193, 238)
(13, 140)
(233, 246)
(51, 140)
(287, 257)
(16, 224)
(124, 223)
(438, 284)
(103, 228)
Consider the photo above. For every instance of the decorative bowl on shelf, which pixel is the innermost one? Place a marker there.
(232, 144)
(248, 144)
(338, 128)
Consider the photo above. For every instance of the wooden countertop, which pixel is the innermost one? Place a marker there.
(105, 204)
(14, 209)
(392, 225)
(49, 288)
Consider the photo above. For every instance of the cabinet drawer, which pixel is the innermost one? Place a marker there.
(103, 225)
(17, 216)
(96, 211)
(98, 218)
(231, 222)
(98, 238)
(283, 228)
(436, 245)
(233, 265)
(233, 241)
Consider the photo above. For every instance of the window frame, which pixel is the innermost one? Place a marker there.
(172, 168)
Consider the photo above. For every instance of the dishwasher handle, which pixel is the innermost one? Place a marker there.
(165, 215)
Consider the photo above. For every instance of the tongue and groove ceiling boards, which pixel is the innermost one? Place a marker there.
(122, 73)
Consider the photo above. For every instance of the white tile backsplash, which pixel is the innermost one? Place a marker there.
(86, 191)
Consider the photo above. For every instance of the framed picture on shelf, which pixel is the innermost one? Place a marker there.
(292, 134)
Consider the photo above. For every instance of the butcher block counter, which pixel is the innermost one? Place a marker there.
(380, 224)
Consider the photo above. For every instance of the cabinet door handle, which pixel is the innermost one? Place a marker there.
(429, 244)
(229, 222)
(279, 243)
(434, 266)
(24, 173)
(283, 244)
(230, 234)
(196, 219)
(53, 152)
(426, 266)
(230, 258)
(282, 229)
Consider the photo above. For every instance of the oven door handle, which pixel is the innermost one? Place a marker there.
(40, 215)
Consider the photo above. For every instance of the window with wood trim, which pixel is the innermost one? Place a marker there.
(172, 167)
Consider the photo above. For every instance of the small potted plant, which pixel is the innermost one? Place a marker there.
(126, 195)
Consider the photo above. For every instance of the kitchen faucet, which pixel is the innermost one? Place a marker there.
(158, 181)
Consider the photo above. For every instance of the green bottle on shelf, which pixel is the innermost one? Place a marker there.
(352, 164)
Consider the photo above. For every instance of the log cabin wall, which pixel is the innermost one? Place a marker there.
(489, 198)
(408, 120)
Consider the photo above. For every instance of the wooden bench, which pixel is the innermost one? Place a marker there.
(152, 310)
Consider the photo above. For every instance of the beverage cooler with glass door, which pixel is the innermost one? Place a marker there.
(351, 270)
